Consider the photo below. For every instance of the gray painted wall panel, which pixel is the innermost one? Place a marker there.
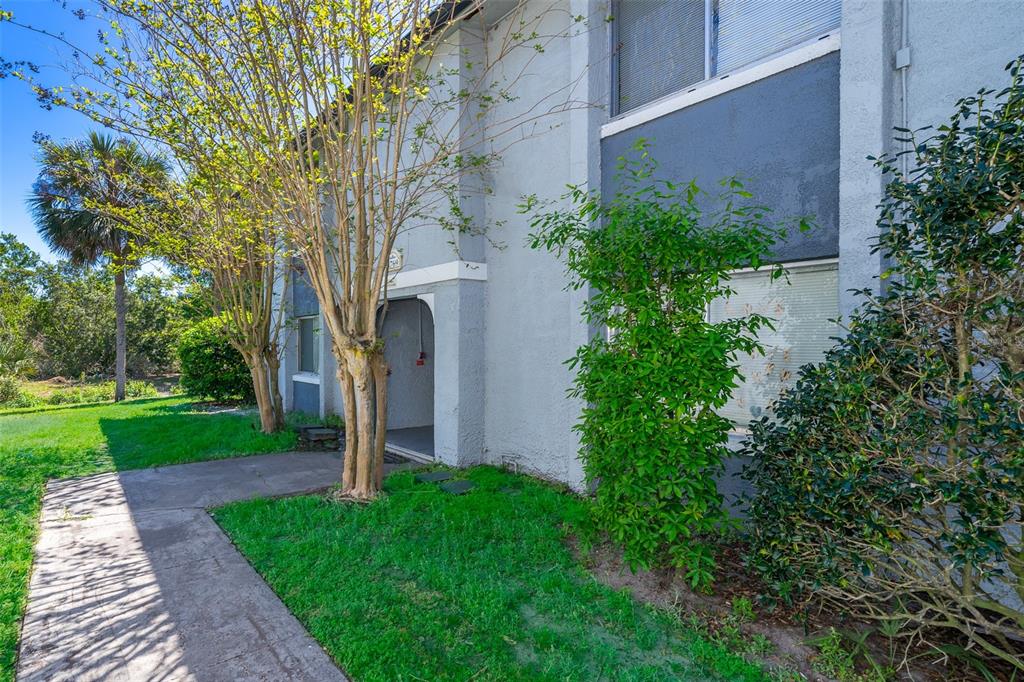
(305, 397)
(532, 324)
(780, 134)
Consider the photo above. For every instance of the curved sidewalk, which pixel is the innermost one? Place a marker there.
(134, 581)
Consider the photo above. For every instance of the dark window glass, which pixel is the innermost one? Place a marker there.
(309, 344)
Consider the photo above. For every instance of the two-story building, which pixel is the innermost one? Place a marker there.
(792, 95)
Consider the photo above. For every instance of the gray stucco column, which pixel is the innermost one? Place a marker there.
(867, 105)
(459, 372)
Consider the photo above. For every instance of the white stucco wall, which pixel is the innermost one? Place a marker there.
(532, 323)
(956, 47)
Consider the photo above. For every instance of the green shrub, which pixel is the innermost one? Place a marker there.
(12, 395)
(140, 389)
(892, 480)
(210, 366)
(10, 389)
(101, 392)
(652, 441)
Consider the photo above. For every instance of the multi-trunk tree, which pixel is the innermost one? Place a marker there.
(365, 117)
(213, 225)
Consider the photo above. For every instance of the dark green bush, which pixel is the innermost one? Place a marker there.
(891, 481)
(652, 440)
(210, 366)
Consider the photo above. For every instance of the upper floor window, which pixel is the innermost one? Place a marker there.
(664, 46)
(309, 344)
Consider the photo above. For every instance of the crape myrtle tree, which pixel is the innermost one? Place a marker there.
(367, 131)
(214, 218)
(366, 117)
(212, 225)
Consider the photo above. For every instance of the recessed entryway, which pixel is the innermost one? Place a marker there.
(408, 334)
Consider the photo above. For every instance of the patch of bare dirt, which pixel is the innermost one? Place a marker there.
(788, 630)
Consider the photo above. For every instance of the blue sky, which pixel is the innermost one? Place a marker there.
(21, 115)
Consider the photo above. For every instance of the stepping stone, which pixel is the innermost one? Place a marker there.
(433, 476)
(458, 487)
(316, 435)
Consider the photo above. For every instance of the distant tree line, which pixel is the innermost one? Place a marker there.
(58, 319)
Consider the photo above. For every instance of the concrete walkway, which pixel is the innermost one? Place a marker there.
(134, 581)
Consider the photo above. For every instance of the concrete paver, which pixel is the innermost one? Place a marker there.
(134, 581)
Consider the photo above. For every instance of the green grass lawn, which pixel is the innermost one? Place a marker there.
(424, 585)
(87, 439)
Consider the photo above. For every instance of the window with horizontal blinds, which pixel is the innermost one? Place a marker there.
(803, 311)
(661, 43)
(660, 48)
(747, 31)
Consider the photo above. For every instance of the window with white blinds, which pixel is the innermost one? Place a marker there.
(664, 46)
(802, 311)
(747, 31)
(661, 48)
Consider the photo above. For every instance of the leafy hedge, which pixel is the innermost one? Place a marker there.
(12, 395)
(95, 393)
(892, 479)
(210, 365)
(652, 440)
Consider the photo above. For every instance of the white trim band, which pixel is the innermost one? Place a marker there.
(443, 272)
(789, 265)
(306, 378)
(722, 84)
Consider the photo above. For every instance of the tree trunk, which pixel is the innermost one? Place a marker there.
(359, 367)
(273, 363)
(963, 332)
(380, 384)
(348, 397)
(261, 386)
(120, 335)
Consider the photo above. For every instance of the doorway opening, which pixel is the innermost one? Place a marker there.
(408, 334)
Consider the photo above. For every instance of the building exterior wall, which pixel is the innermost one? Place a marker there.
(778, 135)
(532, 324)
(953, 49)
(504, 322)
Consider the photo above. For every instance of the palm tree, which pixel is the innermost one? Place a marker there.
(82, 203)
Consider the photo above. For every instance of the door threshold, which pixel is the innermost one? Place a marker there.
(410, 454)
